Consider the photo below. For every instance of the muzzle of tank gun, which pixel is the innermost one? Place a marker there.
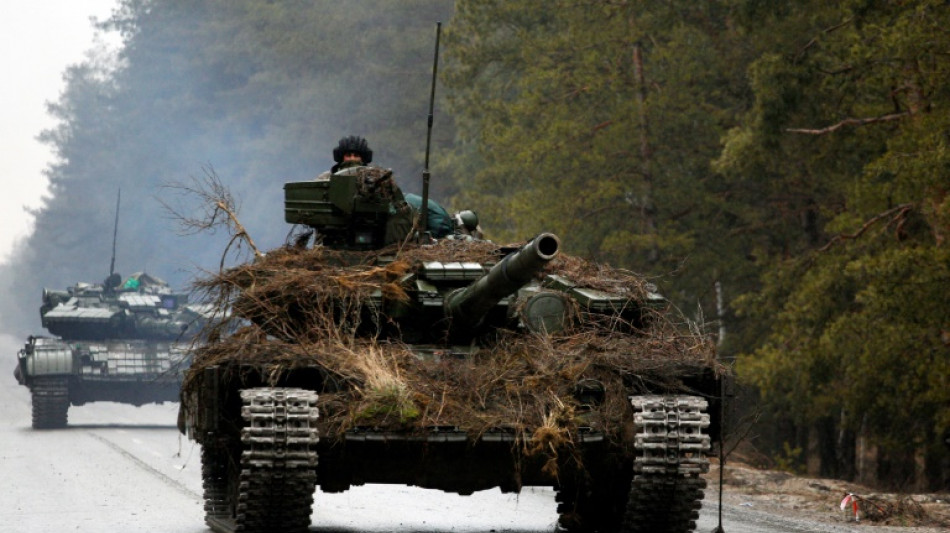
(467, 306)
(160, 328)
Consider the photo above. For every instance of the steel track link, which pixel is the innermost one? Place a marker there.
(50, 397)
(272, 491)
(214, 477)
(667, 492)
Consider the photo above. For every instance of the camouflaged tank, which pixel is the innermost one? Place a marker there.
(124, 341)
(454, 364)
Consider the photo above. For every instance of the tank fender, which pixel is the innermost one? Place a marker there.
(48, 358)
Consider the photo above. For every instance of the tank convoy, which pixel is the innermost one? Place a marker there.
(124, 341)
(455, 364)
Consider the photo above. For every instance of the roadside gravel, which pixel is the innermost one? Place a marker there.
(818, 500)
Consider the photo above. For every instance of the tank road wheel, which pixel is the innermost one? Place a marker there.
(278, 461)
(50, 402)
(667, 489)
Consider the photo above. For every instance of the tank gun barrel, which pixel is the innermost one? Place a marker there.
(161, 328)
(467, 306)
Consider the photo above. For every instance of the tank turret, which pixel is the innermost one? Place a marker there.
(143, 307)
(467, 306)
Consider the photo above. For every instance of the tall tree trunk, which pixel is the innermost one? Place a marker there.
(845, 449)
(867, 458)
(647, 207)
(813, 461)
(825, 449)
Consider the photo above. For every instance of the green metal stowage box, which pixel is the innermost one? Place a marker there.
(329, 203)
(308, 202)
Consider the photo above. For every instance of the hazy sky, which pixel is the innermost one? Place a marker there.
(38, 40)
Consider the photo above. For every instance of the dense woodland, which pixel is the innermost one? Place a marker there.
(780, 168)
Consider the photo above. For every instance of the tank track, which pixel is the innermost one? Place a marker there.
(214, 476)
(594, 503)
(50, 396)
(664, 504)
(667, 489)
(273, 490)
(662, 492)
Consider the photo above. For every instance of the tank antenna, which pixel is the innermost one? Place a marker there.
(115, 232)
(422, 222)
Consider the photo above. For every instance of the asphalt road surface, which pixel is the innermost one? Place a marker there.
(120, 468)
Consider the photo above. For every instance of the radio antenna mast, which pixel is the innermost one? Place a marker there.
(423, 221)
(115, 232)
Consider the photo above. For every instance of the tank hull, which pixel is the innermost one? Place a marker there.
(605, 481)
(60, 373)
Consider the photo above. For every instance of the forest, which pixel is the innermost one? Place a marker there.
(779, 168)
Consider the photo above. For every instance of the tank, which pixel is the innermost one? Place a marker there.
(124, 341)
(455, 364)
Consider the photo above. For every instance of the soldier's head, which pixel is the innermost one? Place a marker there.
(352, 150)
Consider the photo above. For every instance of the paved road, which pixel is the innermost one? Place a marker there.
(120, 468)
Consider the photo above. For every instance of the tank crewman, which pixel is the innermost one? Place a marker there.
(351, 151)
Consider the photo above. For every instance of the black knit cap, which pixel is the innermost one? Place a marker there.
(355, 145)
